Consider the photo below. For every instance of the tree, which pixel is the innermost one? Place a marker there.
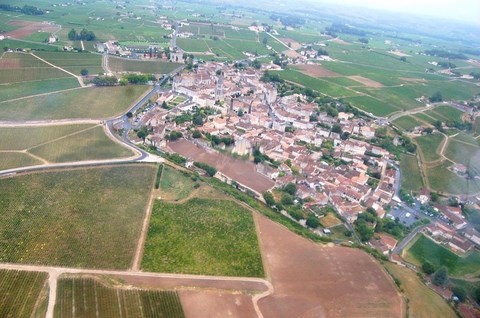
(460, 292)
(269, 200)
(312, 221)
(198, 120)
(287, 199)
(440, 277)
(256, 64)
(291, 188)
(142, 133)
(403, 59)
(337, 129)
(84, 72)
(436, 97)
(72, 35)
(129, 115)
(196, 134)
(428, 268)
(240, 112)
(428, 130)
(164, 105)
(264, 41)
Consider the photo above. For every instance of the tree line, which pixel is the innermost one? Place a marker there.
(86, 35)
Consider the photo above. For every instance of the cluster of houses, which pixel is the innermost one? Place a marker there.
(250, 111)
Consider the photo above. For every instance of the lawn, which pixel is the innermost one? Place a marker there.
(24, 89)
(117, 64)
(93, 102)
(78, 218)
(202, 236)
(87, 297)
(424, 249)
(411, 179)
(422, 301)
(372, 105)
(21, 291)
(407, 123)
(175, 185)
(429, 144)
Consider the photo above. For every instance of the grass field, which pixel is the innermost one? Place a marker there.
(117, 64)
(58, 144)
(319, 85)
(443, 180)
(422, 301)
(424, 249)
(202, 236)
(449, 112)
(78, 218)
(372, 105)
(407, 123)
(10, 160)
(174, 185)
(464, 153)
(96, 102)
(428, 145)
(24, 89)
(330, 220)
(74, 62)
(87, 297)
(411, 179)
(20, 293)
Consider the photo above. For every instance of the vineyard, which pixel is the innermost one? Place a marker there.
(117, 64)
(78, 218)
(20, 293)
(202, 236)
(87, 297)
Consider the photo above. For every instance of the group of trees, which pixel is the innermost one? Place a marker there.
(344, 28)
(368, 223)
(137, 79)
(105, 81)
(211, 171)
(85, 35)
(26, 9)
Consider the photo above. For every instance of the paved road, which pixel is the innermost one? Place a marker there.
(400, 246)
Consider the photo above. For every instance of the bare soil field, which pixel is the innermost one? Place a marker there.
(216, 304)
(312, 280)
(340, 41)
(398, 53)
(315, 70)
(27, 27)
(366, 81)
(293, 44)
(241, 171)
(413, 80)
(292, 54)
(217, 283)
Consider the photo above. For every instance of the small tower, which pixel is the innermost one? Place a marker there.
(219, 88)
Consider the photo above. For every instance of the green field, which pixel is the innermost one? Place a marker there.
(87, 297)
(449, 112)
(174, 185)
(425, 118)
(193, 45)
(90, 144)
(407, 123)
(319, 85)
(424, 249)
(74, 62)
(58, 144)
(429, 144)
(372, 105)
(117, 64)
(411, 179)
(202, 236)
(10, 160)
(422, 301)
(22, 294)
(443, 180)
(464, 153)
(93, 102)
(78, 218)
(24, 89)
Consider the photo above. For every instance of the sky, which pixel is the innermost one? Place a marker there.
(467, 10)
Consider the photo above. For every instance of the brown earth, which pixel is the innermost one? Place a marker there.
(293, 44)
(413, 80)
(312, 280)
(26, 28)
(340, 41)
(10, 63)
(366, 81)
(241, 171)
(216, 304)
(292, 54)
(398, 53)
(315, 70)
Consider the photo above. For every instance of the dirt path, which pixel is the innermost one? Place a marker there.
(105, 67)
(79, 78)
(137, 259)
